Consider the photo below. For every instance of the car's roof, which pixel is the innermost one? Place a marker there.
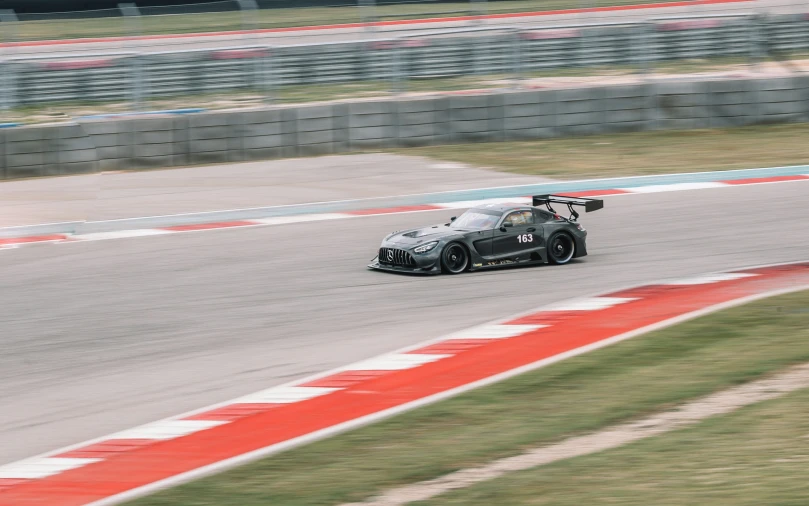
(502, 207)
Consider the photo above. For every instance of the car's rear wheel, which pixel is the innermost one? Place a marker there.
(454, 258)
(561, 248)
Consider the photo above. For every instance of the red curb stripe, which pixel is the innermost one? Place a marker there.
(393, 210)
(208, 226)
(375, 394)
(362, 25)
(344, 379)
(32, 239)
(233, 412)
(6, 483)
(452, 346)
(647, 291)
(759, 180)
(545, 318)
(105, 449)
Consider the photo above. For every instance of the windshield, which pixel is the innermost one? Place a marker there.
(476, 219)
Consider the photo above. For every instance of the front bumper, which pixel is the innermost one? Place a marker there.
(425, 263)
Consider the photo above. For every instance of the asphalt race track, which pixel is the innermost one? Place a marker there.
(101, 336)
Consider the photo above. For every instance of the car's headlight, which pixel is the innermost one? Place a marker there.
(424, 248)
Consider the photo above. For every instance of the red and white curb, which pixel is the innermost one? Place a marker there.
(141, 460)
(303, 218)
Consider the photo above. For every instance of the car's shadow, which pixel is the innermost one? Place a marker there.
(497, 268)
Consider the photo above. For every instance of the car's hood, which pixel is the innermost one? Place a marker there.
(422, 235)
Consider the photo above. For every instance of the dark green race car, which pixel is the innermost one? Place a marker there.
(490, 235)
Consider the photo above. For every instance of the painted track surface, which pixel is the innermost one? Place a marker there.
(110, 196)
(107, 335)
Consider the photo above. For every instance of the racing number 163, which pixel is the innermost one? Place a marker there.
(525, 238)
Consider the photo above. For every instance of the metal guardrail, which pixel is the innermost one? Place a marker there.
(105, 77)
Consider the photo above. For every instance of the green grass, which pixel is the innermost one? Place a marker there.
(616, 384)
(655, 152)
(52, 28)
(758, 455)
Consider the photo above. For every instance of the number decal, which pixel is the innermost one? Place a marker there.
(525, 238)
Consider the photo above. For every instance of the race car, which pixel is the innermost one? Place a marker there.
(490, 235)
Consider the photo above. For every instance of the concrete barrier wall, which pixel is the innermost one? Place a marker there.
(287, 131)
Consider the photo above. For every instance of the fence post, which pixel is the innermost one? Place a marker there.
(396, 73)
(251, 73)
(267, 74)
(754, 36)
(582, 52)
(642, 45)
(516, 55)
(249, 12)
(8, 85)
(368, 15)
(479, 9)
(132, 20)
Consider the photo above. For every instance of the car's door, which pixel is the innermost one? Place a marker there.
(518, 232)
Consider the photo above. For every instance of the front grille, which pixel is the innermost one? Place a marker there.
(393, 256)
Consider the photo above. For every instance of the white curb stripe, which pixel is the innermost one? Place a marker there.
(463, 204)
(711, 278)
(167, 429)
(494, 331)
(101, 236)
(394, 362)
(588, 304)
(284, 395)
(674, 187)
(300, 218)
(41, 467)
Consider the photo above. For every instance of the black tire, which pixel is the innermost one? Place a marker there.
(561, 248)
(454, 258)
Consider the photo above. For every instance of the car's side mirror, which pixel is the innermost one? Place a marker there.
(506, 225)
(452, 219)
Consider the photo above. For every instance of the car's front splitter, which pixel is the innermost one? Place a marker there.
(376, 265)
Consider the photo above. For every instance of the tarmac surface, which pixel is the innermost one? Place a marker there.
(102, 336)
(110, 196)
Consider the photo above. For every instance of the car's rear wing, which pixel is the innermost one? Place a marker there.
(589, 205)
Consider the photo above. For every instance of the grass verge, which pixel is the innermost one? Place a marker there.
(655, 152)
(619, 383)
(757, 455)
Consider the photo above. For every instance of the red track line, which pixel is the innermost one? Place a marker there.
(207, 226)
(394, 210)
(37, 238)
(683, 3)
(759, 180)
(370, 393)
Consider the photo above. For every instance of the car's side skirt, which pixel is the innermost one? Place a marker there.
(492, 264)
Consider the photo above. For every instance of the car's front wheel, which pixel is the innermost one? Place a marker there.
(561, 248)
(454, 258)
